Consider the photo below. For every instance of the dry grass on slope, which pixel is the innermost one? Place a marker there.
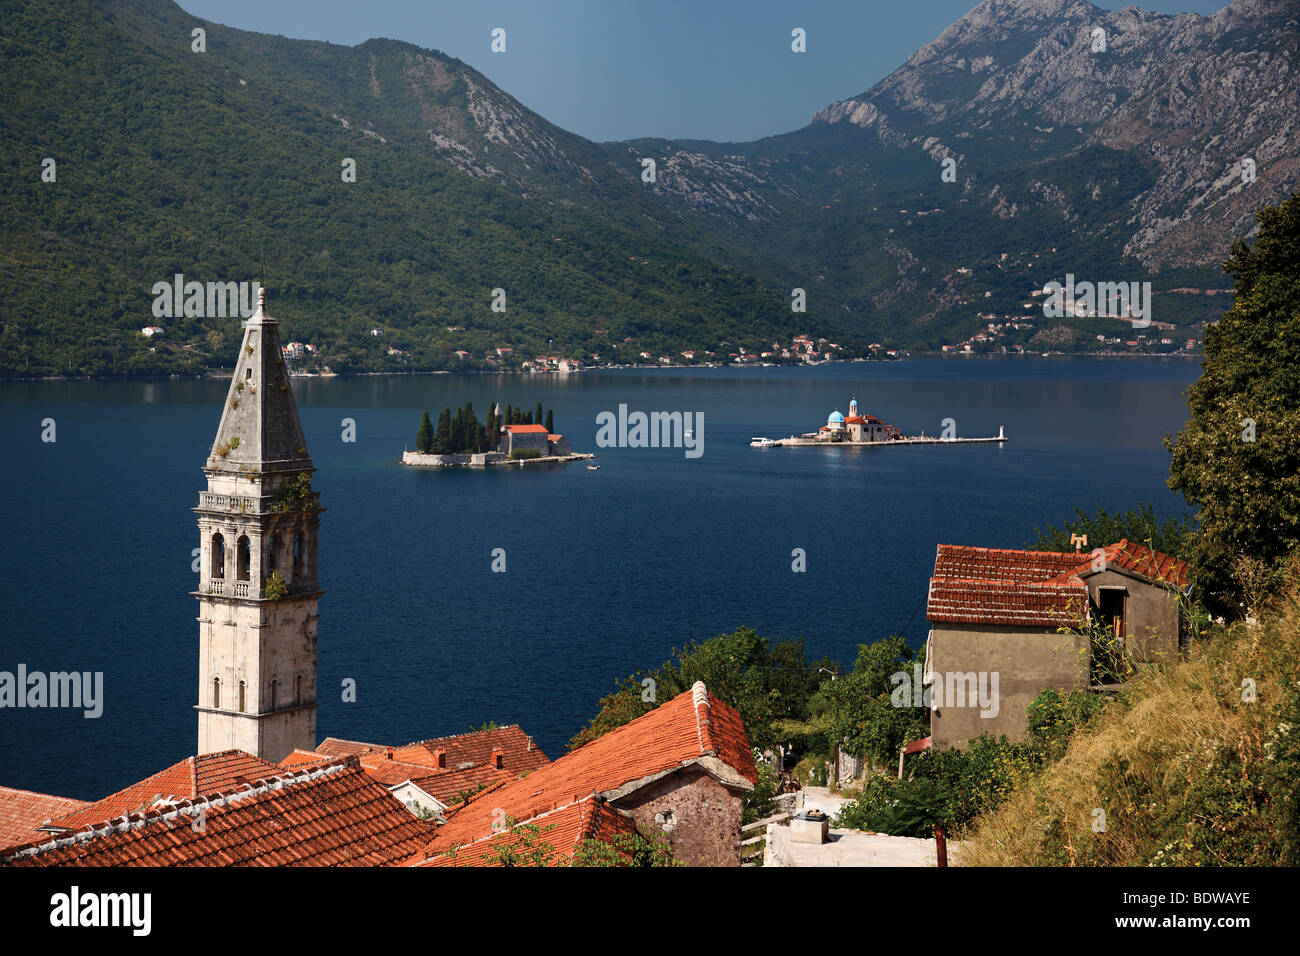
(1183, 770)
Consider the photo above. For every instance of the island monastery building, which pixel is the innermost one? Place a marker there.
(857, 427)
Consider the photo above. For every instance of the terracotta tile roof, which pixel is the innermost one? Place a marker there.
(334, 815)
(999, 564)
(22, 811)
(557, 833)
(303, 758)
(1136, 559)
(443, 767)
(526, 429)
(337, 747)
(691, 728)
(519, 752)
(192, 777)
(1033, 588)
(1018, 603)
(447, 787)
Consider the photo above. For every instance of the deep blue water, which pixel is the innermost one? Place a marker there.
(608, 570)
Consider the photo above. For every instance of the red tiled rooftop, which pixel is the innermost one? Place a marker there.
(466, 760)
(555, 834)
(1000, 564)
(1033, 588)
(337, 747)
(519, 752)
(330, 816)
(1136, 559)
(1018, 603)
(679, 732)
(22, 811)
(526, 429)
(193, 776)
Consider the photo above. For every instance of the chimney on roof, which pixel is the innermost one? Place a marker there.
(388, 753)
(497, 758)
(530, 743)
(440, 759)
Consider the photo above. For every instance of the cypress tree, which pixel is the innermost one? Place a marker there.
(424, 437)
(537, 418)
(490, 429)
(442, 440)
(550, 421)
(458, 432)
(509, 417)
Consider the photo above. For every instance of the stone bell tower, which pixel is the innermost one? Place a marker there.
(258, 527)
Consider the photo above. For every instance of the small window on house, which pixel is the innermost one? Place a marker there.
(248, 374)
(244, 558)
(243, 689)
(216, 692)
(218, 567)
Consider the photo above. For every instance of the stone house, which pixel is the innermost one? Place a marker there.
(679, 770)
(1006, 625)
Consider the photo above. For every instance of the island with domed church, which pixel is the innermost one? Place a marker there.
(859, 429)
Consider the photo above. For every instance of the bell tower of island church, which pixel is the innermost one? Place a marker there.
(258, 527)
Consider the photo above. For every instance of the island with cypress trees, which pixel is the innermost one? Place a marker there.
(509, 436)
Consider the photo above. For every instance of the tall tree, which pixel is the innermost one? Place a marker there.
(1238, 457)
(550, 421)
(424, 437)
(490, 429)
(442, 438)
(537, 416)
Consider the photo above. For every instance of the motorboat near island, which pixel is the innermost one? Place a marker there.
(860, 430)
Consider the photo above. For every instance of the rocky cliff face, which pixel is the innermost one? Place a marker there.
(1192, 96)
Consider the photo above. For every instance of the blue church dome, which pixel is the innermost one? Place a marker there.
(835, 419)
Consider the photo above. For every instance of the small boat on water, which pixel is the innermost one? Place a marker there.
(593, 467)
(761, 442)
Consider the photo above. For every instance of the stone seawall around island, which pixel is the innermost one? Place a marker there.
(483, 460)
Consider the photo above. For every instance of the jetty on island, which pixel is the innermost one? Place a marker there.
(860, 430)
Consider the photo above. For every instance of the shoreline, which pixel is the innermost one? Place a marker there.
(415, 459)
(221, 374)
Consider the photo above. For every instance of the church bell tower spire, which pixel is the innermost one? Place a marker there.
(258, 526)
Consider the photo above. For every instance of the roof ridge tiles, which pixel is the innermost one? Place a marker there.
(168, 811)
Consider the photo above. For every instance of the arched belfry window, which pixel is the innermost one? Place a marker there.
(244, 558)
(297, 552)
(243, 697)
(216, 692)
(273, 556)
(218, 566)
(275, 694)
(297, 689)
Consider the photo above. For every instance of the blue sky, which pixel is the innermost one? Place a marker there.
(619, 69)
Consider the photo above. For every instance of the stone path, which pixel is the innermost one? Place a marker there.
(846, 847)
